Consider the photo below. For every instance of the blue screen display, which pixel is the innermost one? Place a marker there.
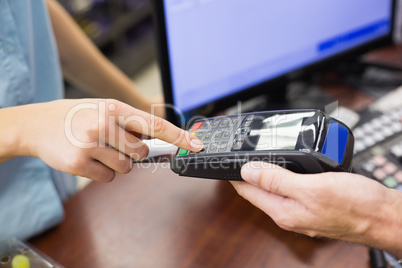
(219, 47)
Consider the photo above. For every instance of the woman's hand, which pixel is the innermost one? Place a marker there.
(336, 205)
(93, 138)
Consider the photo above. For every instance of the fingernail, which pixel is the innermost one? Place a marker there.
(251, 173)
(196, 144)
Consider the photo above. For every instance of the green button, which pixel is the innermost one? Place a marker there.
(183, 152)
(390, 182)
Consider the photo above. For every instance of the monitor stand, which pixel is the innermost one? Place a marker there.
(373, 78)
(297, 95)
(304, 95)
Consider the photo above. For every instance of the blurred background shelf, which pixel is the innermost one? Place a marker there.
(121, 29)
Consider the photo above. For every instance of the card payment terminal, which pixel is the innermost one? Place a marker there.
(304, 141)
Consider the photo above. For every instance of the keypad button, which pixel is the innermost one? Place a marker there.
(358, 132)
(213, 147)
(239, 138)
(206, 124)
(378, 136)
(386, 119)
(200, 135)
(390, 168)
(398, 176)
(380, 174)
(369, 141)
(359, 146)
(397, 151)
(225, 122)
(249, 117)
(235, 120)
(246, 123)
(183, 152)
(376, 123)
(207, 137)
(215, 123)
(237, 145)
(387, 132)
(226, 134)
(217, 135)
(196, 126)
(367, 128)
(390, 182)
(379, 160)
(222, 146)
(369, 166)
(395, 117)
(243, 131)
(396, 128)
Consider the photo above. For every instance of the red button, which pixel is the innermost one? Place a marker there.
(196, 126)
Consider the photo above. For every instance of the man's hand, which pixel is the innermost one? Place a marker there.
(343, 206)
(91, 137)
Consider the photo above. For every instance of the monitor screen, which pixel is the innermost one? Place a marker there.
(219, 47)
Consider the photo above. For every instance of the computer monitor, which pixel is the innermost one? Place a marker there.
(213, 51)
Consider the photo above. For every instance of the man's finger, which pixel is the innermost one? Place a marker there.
(272, 178)
(272, 204)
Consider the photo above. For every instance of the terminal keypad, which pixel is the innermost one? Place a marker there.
(220, 135)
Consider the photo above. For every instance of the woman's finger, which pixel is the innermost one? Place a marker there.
(113, 159)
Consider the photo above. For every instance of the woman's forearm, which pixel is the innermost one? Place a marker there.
(12, 143)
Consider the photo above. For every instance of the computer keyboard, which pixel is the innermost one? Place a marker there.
(378, 149)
